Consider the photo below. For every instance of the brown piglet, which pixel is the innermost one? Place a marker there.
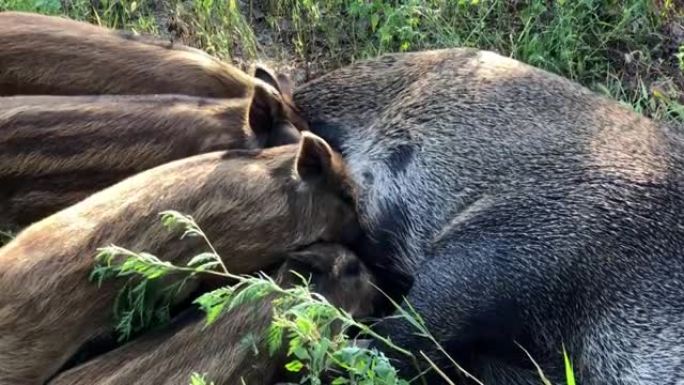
(57, 150)
(170, 356)
(255, 206)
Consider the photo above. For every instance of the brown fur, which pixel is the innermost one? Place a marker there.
(219, 351)
(254, 206)
(50, 55)
(57, 150)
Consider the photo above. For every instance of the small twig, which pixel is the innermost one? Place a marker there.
(539, 369)
(438, 370)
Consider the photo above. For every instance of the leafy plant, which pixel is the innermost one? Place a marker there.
(146, 298)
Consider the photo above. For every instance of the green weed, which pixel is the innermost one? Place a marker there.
(219, 27)
(569, 371)
(133, 15)
(199, 379)
(5, 237)
(588, 41)
(48, 7)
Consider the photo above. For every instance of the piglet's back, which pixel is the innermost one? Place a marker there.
(53, 55)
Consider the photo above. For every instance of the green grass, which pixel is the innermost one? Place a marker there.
(623, 48)
(614, 46)
(569, 371)
(5, 237)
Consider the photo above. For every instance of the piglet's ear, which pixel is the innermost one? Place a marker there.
(277, 80)
(265, 110)
(266, 75)
(310, 261)
(315, 159)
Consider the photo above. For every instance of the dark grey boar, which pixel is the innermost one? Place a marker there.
(254, 205)
(525, 207)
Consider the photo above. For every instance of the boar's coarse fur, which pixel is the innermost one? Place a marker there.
(51, 55)
(525, 207)
(219, 351)
(57, 150)
(255, 206)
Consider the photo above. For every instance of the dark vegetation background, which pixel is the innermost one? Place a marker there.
(631, 50)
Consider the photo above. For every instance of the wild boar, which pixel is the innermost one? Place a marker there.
(525, 208)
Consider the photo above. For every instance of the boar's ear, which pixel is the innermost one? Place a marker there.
(285, 88)
(315, 159)
(266, 75)
(279, 81)
(267, 118)
(273, 118)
